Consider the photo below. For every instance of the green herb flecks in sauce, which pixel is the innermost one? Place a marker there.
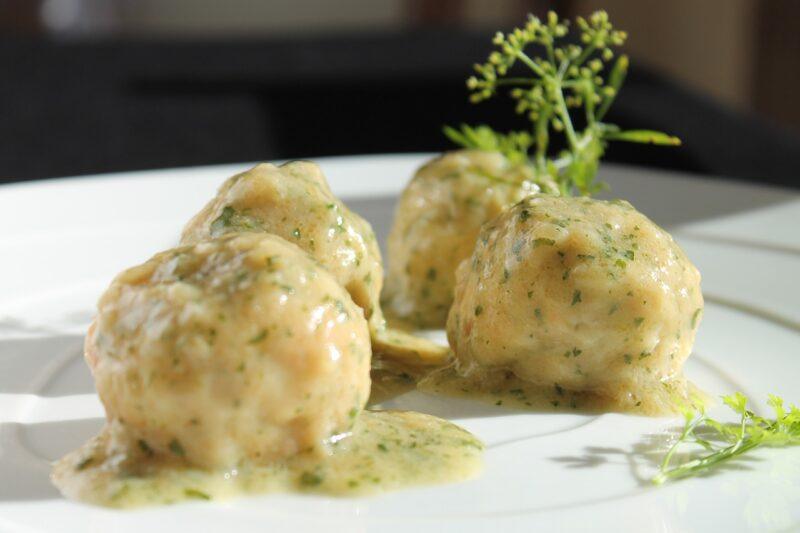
(387, 450)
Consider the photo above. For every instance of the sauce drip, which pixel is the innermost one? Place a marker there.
(502, 388)
(387, 450)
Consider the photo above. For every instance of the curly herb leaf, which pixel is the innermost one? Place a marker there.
(723, 442)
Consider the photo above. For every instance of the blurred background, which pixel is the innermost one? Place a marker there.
(92, 86)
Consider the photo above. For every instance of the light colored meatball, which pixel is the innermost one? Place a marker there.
(239, 348)
(295, 202)
(436, 223)
(580, 295)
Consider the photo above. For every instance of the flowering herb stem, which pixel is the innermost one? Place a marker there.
(570, 76)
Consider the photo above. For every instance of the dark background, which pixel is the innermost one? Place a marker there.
(105, 85)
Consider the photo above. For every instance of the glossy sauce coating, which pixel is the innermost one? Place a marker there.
(436, 222)
(295, 202)
(237, 349)
(578, 296)
(240, 366)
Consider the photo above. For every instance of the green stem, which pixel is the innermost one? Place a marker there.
(588, 51)
(589, 104)
(562, 70)
(551, 55)
(531, 64)
(703, 463)
(561, 106)
(686, 430)
(542, 139)
(515, 81)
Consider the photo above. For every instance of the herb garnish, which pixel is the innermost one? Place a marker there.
(566, 77)
(176, 448)
(723, 442)
(230, 219)
(146, 449)
(696, 316)
(194, 493)
(311, 479)
(84, 463)
(576, 297)
(260, 336)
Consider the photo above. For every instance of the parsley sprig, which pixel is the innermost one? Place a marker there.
(722, 442)
(565, 78)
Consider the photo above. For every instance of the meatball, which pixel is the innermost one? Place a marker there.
(239, 348)
(582, 295)
(295, 202)
(436, 223)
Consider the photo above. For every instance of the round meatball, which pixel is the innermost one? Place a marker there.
(239, 348)
(436, 223)
(580, 294)
(295, 202)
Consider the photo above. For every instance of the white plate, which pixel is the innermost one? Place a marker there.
(63, 240)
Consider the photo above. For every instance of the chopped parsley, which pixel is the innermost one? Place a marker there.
(230, 219)
(146, 449)
(176, 448)
(542, 241)
(310, 479)
(197, 494)
(576, 297)
(696, 316)
(259, 337)
(84, 463)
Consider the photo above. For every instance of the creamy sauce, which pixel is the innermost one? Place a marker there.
(391, 379)
(386, 450)
(401, 358)
(503, 389)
